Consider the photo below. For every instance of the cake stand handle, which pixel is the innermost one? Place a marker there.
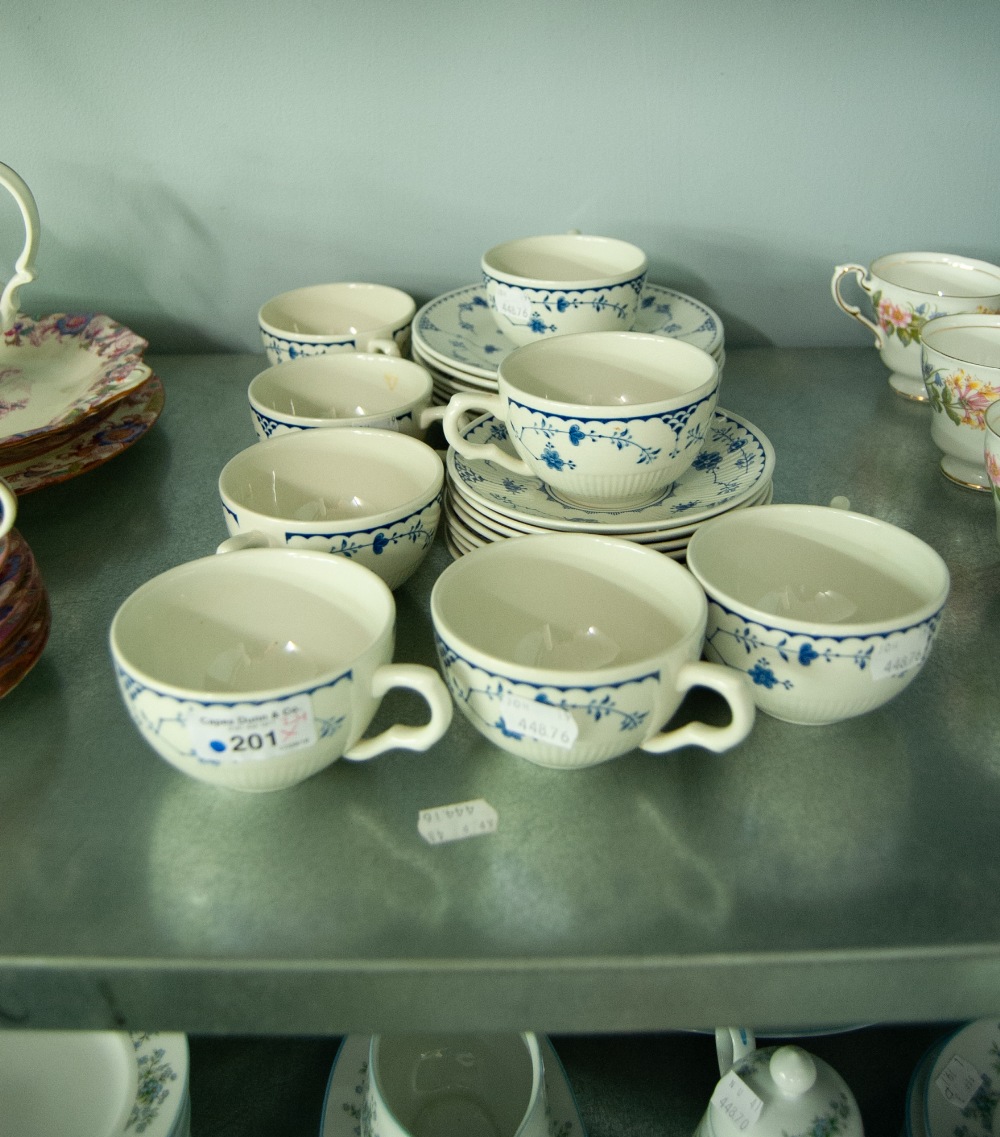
(24, 266)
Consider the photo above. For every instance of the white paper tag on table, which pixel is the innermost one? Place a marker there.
(541, 722)
(444, 823)
(738, 1102)
(959, 1082)
(899, 653)
(232, 735)
(512, 303)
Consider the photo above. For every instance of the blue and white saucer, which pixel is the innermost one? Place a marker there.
(457, 333)
(345, 1091)
(962, 1090)
(735, 465)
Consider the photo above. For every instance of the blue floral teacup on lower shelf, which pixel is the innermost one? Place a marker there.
(829, 613)
(569, 649)
(373, 496)
(605, 419)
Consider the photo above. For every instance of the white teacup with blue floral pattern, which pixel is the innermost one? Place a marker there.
(561, 284)
(569, 649)
(829, 613)
(373, 496)
(605, 419)
(455, 1085)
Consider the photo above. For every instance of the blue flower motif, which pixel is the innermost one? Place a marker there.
(380, 544)
(480, 301)
(707, 460)
(505, 730)
(551, 457)
(562, 304)
(576, 434)
(537, 324)
(807, 653)
(763, 676)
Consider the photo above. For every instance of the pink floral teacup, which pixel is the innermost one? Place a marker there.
(992, 419)
(961, 369)
(908, 289)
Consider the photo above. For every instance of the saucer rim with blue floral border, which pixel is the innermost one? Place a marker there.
(978, 1043)
(462, 325)
(539, 505)
(345, 1091)
(161, 1077)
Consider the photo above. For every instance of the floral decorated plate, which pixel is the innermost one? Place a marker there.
(736, 462)
(962, 1095)
(345, 1091)
(458, 331)
(98, 440)
(105, 1083)
(63, 368)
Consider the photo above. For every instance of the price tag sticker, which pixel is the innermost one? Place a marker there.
(899, 653)
(247, 734)
(959, 1081)
(541, 722)
(512, 303)
(738, 1102)
(444, 823)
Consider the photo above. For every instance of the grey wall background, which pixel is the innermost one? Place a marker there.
(191, 159)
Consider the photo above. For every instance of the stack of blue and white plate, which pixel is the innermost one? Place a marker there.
(456, 339)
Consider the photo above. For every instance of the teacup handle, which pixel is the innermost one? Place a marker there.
(427, 683)
(8, 505)
(383, 347)
(24, 266)
(461, 404)
(253, 539)
(731, 1044)
(852, 310)
(734, 687)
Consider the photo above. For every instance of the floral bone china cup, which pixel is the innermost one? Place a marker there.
(993, 455)
(568, 282)
(345, 316)
(258, 669)
(572, 649)
(487, 1085)
(370, 495)
(341, 389)
(961, 361)
(907, 290)
(829, 613)
(604, 419)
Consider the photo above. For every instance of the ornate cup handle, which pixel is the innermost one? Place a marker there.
(24, 266)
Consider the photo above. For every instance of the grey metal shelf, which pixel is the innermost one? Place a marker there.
(812, 876)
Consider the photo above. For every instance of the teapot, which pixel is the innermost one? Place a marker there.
(777, 1091)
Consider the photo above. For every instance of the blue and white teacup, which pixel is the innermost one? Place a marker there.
(829, 613)
(570, 649)
(373, 496)
(561, 284)
(605, 419)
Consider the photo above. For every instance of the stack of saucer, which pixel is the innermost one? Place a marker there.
(25, 615)
(953, 1088)
(457, 339)
(486, 502)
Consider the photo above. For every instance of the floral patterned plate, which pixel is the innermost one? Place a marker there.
(345, 1091)
(736, 462)
(107, 1083)
(458, 331)
(62, 368)
(962, 1097)
(97, 441)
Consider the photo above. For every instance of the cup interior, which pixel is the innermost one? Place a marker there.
(608, 370)
(939, 274)
(566, 603)
(251, 621)
(344, 386)
(565, 258)
(336, 309)
(972, 340)
(435, 1085)
(332, 475)
(810, 568)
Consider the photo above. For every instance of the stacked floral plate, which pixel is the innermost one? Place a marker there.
(486, 502)
(74, 392)
(457, 340)
(25, 614)
(93, 1084)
